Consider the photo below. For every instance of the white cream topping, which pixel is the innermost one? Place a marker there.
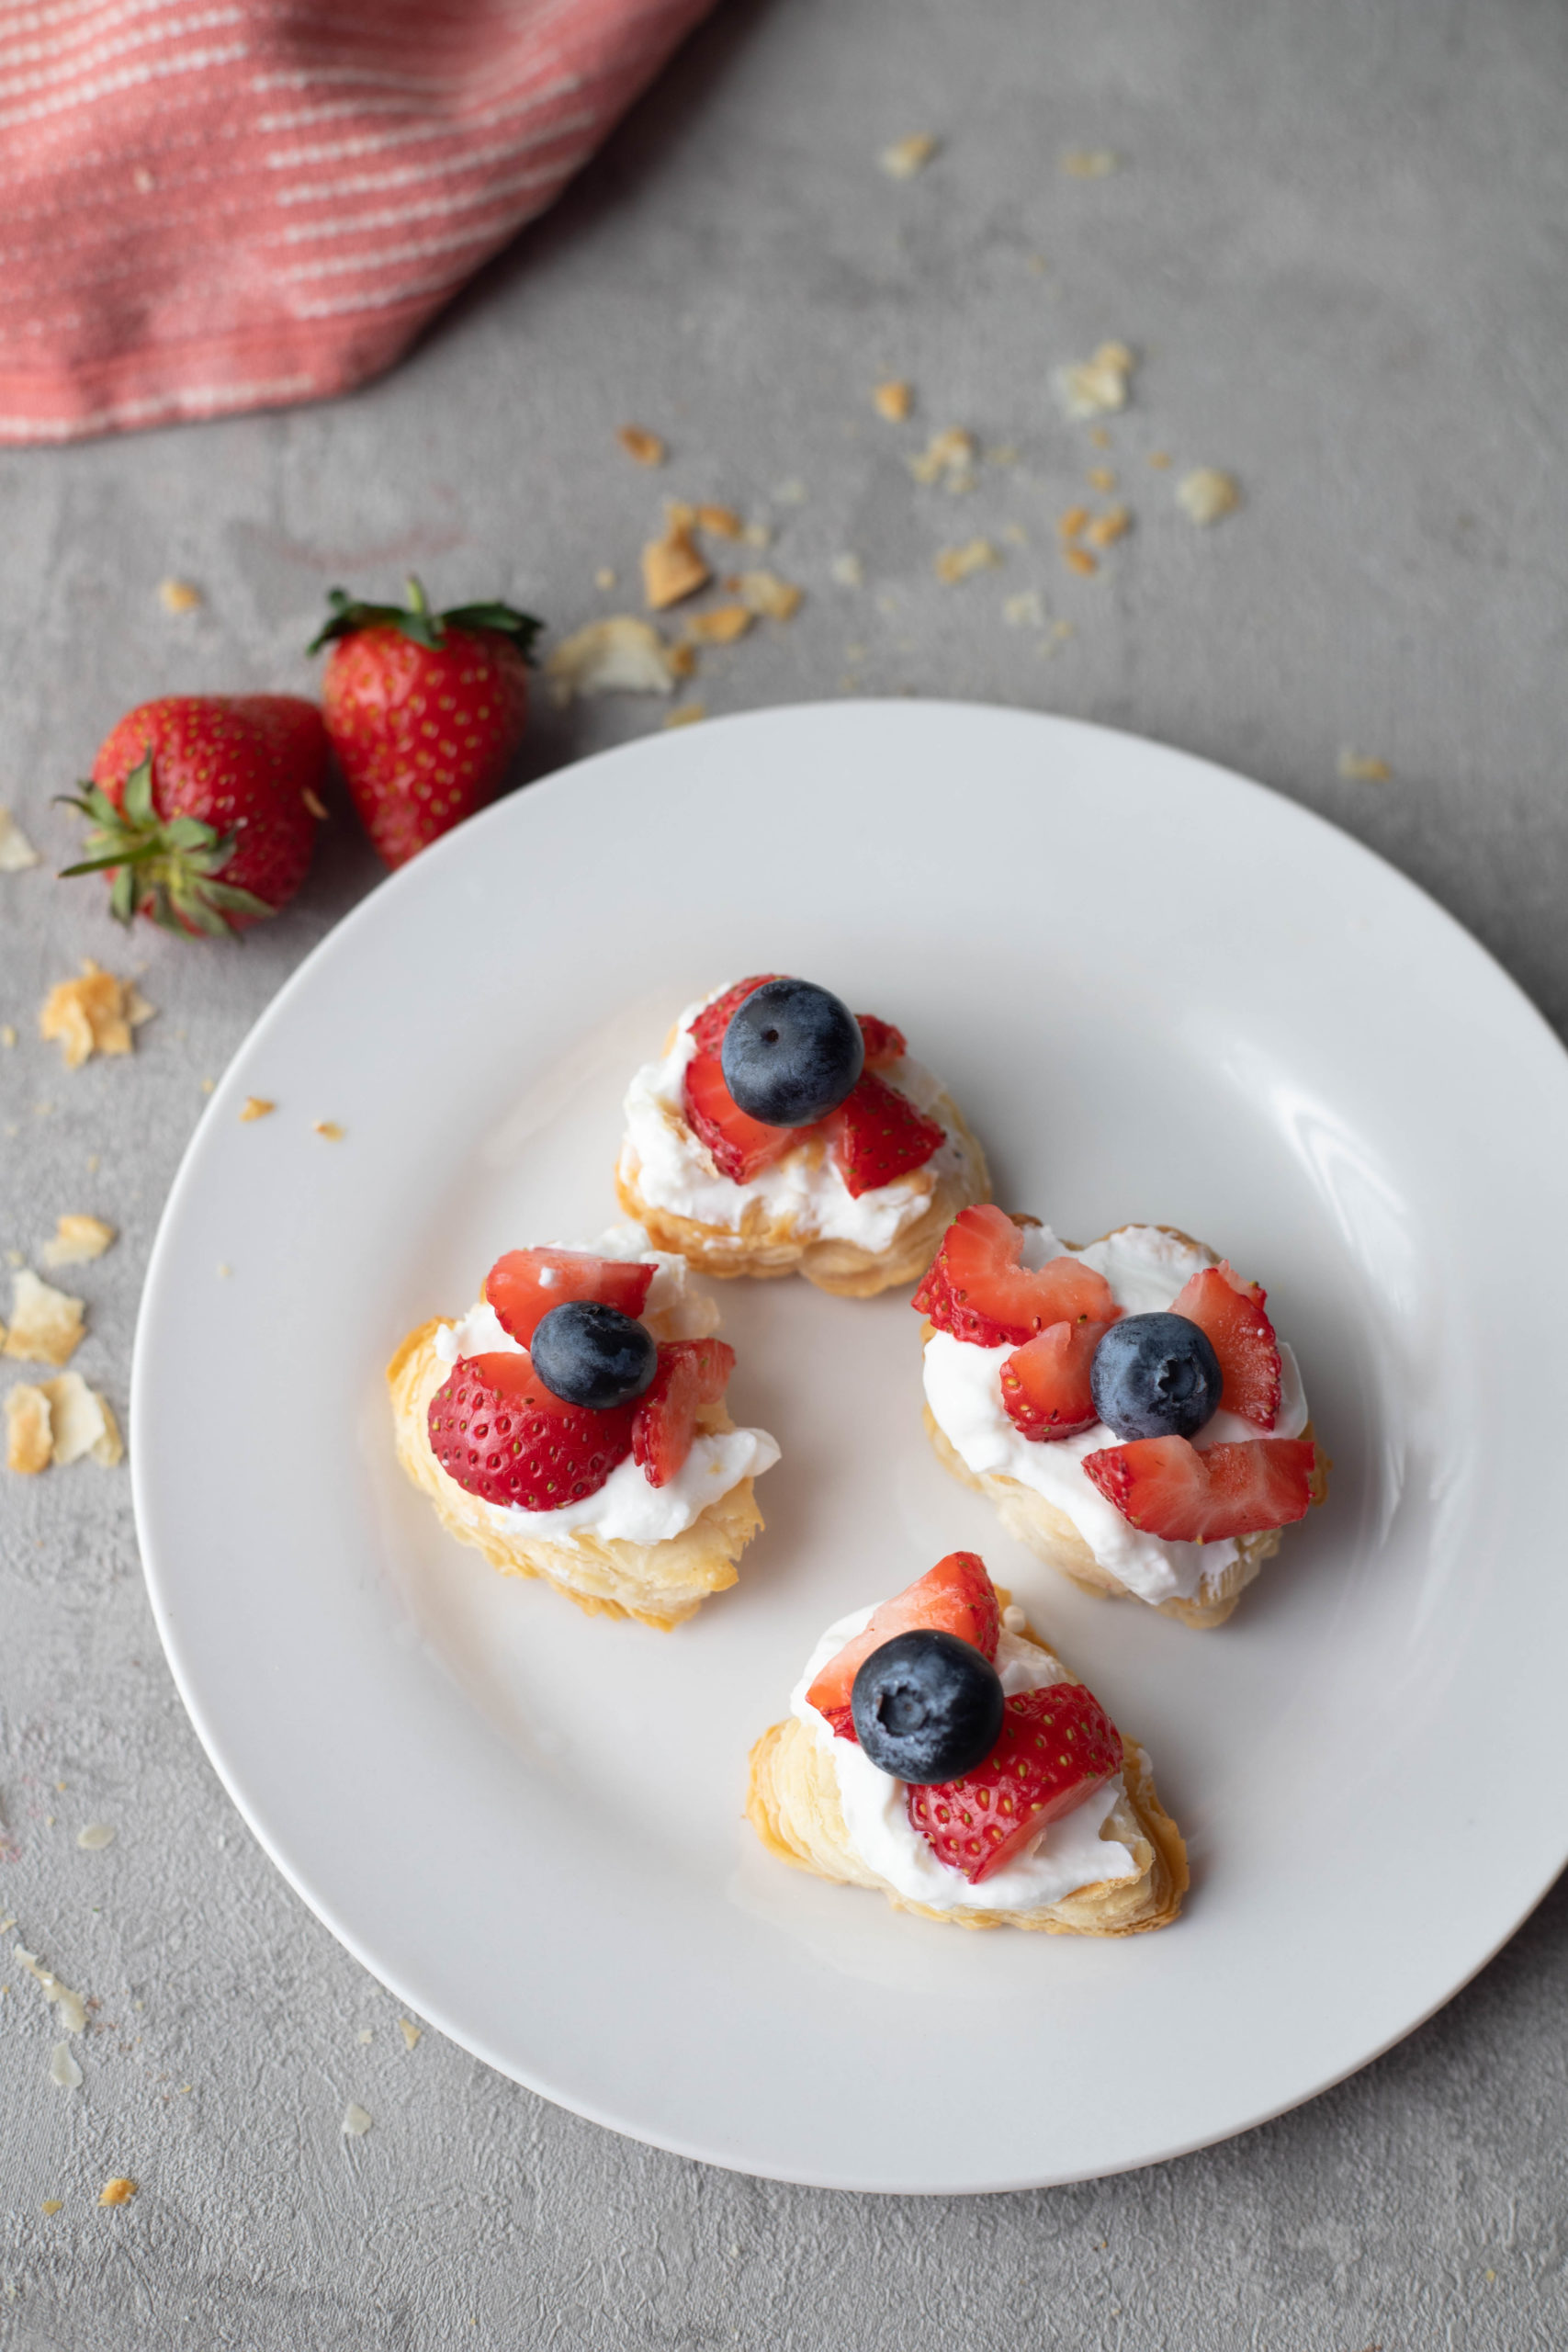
(1145, 1267)
(1069, 1852)
(673, 1170)
(626, 1508)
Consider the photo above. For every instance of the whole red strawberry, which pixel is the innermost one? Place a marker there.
(204, 809)
(425, 710)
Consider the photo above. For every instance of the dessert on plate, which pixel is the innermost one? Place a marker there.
(780, 1134)
(937, 1751)
(1127, 1407)
(572, 1426)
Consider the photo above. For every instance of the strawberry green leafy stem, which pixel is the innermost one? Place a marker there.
(170, 865)
(417, 621)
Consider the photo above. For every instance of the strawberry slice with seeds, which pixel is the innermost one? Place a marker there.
(524, 1284)
(692, 1373)
(711, 1023)
(955, 1597)
(1230, 1312)
(1046, 1384)
(1058, 1747)
(878, 1134)
(883, 1044)
(1166, 1488)
(503, 1436)
(741, 1147)
(978, 1288)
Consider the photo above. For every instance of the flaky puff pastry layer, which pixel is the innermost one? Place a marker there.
(762, 1245)
(659, 1584)
(792, 1805)
(1053, 1537)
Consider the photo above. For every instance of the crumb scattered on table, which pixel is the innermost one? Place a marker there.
(1026, 610)
(640, 443)
(622, 654)
(1159, 459)
(78, 1238)
(953, 564)
(604, 578)
(64, 2071)
(47, 1325)
(118, 2191)
(905, 157)
(95, 1836)
(673, 567)
(95, 1013)
(847, 570)
(355, 2123)
(16, 853)
(722, 626)
(410, 2031)
(330, 1128)
(28, 1445)
(1206, 495)
(179, 596)
(1089, 162)
(894, 400)
(1361, 767)
(256, 1106)
(722, 521)
(1097, 387)
(685, 714)
(765, 593)
(948, 459)
(1104, 530)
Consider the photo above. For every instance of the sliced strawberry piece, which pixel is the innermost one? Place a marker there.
(524, 1284)
(691, 1373)
(1231, 1313)
(741, 1147)
(978, 1289)
(502, 1435)
(883, 1044)
(1164, 1486)
(1045, 1389)
(711, 1023)
(1058, 1747)
(955, 1597)
(878, 1134)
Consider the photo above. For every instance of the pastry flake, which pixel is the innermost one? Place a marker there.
(619, 655)
(95, 1013)
(47, 1325)
(28, 1438)
(78, 1238)
(1205, 495)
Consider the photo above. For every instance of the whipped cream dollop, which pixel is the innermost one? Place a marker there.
(673, 1170)
(1145, 1267)
(626, 1508)
(1069, 1852)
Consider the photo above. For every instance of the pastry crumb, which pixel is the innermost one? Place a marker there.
(118, 2191)
(905, 157)
(224, 1270)
(847, 570)
(948, 459)
(1206, 495)
(1107, 528)
(81, 1423)
(621, 655)
(1089, 162)
(953, 564)
(16, 853)
(95, 1013)
(256, 1106)
(328, 1128)
(1026, 610)
(355, 2123)
(1071, 525)
(1079, 560)
(1097, 387)
(894, 400)
(64, 2071)
(77, 1240)
(766, 593)
(722, 521)
(95, 1836)
(673, 567)
(52, 2205)
(72, 2007)
(1361, 767)
(757, 535)
(722, 626)
(410, 2031)
(639, 443)
(29, 1440)
(47, 1325)
(179, 596)
(685, 714)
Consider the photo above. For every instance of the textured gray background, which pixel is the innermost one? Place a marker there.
(1338, 241)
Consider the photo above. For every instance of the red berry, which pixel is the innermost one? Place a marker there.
(741, 1147)
(201, 808)
(1045, 1388)
(955, 1597)
(425, 710)
(883, 1044)
(708, 1028)
(1231, 1314)
(1164, 1486)
(1058, 1747)
(524, 1284)
(978, 1289)
(503, 1436)
(878, 1135)
(691, 1373)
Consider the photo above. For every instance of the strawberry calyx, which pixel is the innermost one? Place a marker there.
(171, 867)
(415, 619)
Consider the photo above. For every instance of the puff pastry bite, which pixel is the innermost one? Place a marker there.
(845, 1159)
(1052, 1824)
(1127, 1407)
(621, 1479)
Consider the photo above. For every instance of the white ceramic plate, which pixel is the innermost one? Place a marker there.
(1160, 993)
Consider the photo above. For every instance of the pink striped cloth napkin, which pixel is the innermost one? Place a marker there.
(212, 205)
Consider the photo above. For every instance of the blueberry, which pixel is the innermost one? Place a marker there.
(927, 1707)
(587, 1353)
(791, 1053)
(1155, 1375)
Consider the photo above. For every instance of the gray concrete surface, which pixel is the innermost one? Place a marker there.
(1337, 244)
